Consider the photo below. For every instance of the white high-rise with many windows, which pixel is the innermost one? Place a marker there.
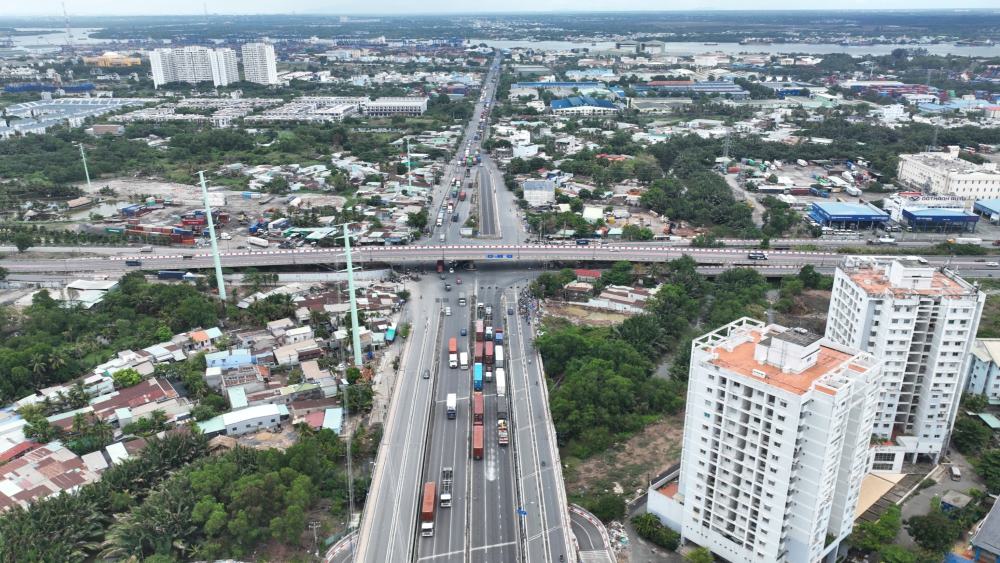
(776, 443)
(193, 65)
(921, 322)
(259, 63)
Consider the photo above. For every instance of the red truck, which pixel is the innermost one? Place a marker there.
(427, 510)
(477, 442)
(440, 266)
(479, 353)
(478, 408)
(488, 355)
(461, 195)
(453, 352)
(480, 330)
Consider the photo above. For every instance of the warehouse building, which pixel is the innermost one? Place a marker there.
(583, 105)
(940, 220)
(390, 106)
(848, 215)
(989, 208)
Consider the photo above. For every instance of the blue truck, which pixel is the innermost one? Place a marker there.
(477, 377)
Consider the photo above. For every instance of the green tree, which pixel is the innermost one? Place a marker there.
(699, 555)
(23, 241)
(650, 528)
(970, 435)
(873, 536)
(417, 220)
(934, 531)
(988, 467)
(619, 274)
(126, 378)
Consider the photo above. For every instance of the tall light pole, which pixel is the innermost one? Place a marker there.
(211, 236)
(356, 345)
(83, 156)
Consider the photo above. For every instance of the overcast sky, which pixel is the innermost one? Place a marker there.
(173, 7)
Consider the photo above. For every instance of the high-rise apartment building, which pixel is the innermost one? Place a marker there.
(193, 65)
(776, 444)
(259, 63)
(920, 321)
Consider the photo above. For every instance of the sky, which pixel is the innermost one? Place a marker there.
(389, 7)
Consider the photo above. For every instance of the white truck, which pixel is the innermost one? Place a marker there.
(501, 382)
(451, 405)
(259, 242)
(464, 360)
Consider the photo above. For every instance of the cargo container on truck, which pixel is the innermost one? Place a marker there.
(427, 510)
(478, 357)
(966, 240)
(477, 377)
(447, 475)
(477, 442)
(478, 408)
(503, 435)
(501, 377)
(463, 360)
(453, 352)
(488, 355)
(462, 195)
(259, 242)
(451, 405)
(498, 357)
(479, 331)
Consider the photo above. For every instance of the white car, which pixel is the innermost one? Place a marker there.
(993, 264)
(447, 311)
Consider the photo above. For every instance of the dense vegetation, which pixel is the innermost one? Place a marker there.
(603, 387)
(172, 502)
(649, 528)
(49, 343)
(71, 527)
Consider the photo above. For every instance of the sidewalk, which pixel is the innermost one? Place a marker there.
(384, 380)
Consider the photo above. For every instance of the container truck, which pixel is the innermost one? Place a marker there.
(447, 475)
(498, 357)
(462, 195)
(488, 354)
(477, 442)
(489, 333)
(256, 241)
(479, 331)
(501, 376)
(503, 435)
(966, 240)
(477, 377)
(853, 191)
(451, 405)
(463, 360)
(453, 352)
(478, 352)
(478, 408)
(427, 510)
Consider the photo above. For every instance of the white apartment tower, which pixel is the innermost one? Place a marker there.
(776, 443)
(259, 63)
(921, 322)
(193, 65)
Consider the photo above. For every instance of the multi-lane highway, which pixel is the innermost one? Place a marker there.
(389, 519)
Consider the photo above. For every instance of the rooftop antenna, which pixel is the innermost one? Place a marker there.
(211, 236)
(69, 32)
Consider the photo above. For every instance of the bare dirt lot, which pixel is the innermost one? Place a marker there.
(809, 311)
(630, 464)
(582, 315)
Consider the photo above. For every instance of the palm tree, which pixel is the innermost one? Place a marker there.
(56, 362)
(38, 364)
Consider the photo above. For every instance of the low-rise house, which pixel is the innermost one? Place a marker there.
(297, 334)
(245, 421)
(623, 299)
(229, 359)
(293, 354)
(47, 470)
